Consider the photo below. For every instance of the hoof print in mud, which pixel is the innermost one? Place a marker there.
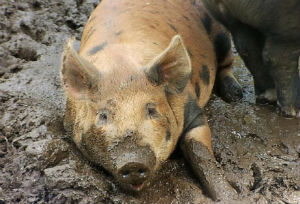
(26, 53)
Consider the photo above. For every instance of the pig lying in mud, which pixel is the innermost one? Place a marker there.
(267, 37)
(138, 85)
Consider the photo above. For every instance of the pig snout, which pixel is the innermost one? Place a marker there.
(134, 165)
(134, 174)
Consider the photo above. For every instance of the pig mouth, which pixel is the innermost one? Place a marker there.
(134, 187)
(137, 187)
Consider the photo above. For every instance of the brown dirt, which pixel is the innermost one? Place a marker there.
(258, 150)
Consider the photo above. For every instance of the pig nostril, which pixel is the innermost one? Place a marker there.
(142, 172)
(134, 173)
(125, 174)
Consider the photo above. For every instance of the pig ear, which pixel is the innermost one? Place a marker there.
(171, 68)
(78, 76)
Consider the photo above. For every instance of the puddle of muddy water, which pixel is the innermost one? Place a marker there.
(258, 149)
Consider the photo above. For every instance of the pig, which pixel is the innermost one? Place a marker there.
(137, 87)
(267, 37)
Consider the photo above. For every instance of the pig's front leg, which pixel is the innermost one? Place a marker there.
(197, 149)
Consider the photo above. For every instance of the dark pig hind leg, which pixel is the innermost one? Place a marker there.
(249, 44)
(284, 61)
(226, 84)
(197, 149)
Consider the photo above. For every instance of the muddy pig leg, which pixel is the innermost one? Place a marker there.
(249, 43)
(197, 149)
(283, 58)
(226, 84)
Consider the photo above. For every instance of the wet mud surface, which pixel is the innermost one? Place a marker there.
(258, 149)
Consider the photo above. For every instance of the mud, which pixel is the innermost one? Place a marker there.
(257, 149)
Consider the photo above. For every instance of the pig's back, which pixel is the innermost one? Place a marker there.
(144, 29)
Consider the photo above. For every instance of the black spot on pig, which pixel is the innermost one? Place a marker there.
(97, 48)
(205, 75)
(222, 45)
(173, 27)
(193, 115)
(168, 135)
(197, 89)
(207, 23)
(186, 18)
(152, 26)
(118, 33)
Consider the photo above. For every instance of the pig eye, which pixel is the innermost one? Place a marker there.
(102, 117)
(151, 111)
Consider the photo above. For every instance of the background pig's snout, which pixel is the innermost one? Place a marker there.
(134, 173)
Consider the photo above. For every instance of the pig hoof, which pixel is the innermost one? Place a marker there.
(269, 96)
(289, 111)
(229, 89)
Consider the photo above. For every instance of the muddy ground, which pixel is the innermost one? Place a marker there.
(258, 150)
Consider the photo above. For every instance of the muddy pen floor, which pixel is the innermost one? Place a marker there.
(258, 150)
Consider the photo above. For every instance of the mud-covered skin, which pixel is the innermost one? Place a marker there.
(140, 81)
(211, 177)
(267, 37)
